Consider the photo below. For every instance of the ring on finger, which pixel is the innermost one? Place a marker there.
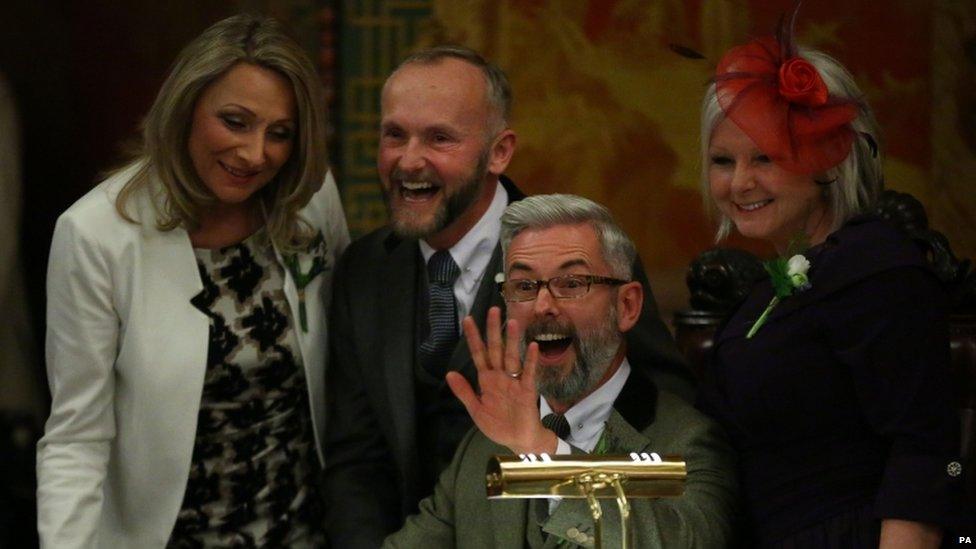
(514, 375)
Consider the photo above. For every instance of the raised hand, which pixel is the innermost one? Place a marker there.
(507, 409)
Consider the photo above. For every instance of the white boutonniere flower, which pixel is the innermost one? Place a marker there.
(788, 276)
(796, 270)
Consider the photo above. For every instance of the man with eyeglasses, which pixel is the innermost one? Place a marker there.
(559, 381)
(392, 423)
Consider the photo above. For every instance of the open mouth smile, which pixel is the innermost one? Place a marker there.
(552, 346)
(418, 191)
(238, 173)
(753, 206)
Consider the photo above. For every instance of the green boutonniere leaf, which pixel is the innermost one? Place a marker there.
(317, 251)
(788, 275)
(603, 443)
(778, 277)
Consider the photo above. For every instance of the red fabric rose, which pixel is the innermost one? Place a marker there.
(784, 107)
(800, 83)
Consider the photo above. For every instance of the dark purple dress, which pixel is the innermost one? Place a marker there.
(839, 407)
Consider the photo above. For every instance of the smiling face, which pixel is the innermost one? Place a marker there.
(437, 158)
(243, 131)
(763, 200)
(580, 340)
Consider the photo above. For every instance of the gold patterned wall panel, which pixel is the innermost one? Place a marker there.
(951, 205)
(374, 35)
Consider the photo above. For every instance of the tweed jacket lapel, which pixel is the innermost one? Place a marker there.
(633, 411)
(573, 514)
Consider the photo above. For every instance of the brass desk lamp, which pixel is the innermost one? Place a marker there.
(591, 477)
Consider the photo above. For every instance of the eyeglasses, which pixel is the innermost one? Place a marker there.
(561, 287)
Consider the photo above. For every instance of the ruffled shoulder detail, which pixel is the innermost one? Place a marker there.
(864, 246)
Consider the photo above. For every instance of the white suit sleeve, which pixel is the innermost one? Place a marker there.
(81, 348)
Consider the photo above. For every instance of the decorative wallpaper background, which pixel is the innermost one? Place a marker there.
(603, 108)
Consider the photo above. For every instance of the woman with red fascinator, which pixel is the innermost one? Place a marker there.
(831, 376)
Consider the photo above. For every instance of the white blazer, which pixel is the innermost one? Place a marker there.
(126, 357)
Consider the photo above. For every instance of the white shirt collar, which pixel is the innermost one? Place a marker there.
(587, 417)
(473, 252)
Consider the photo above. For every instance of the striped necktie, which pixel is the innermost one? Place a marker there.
(435, 351)
(557, 423)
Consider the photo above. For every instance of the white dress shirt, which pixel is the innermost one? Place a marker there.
(473, 252)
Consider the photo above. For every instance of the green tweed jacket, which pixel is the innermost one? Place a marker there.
(458, 514)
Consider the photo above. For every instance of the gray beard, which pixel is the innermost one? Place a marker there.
(594, 352)
(452, 208)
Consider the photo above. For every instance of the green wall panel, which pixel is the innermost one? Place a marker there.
(373, 36)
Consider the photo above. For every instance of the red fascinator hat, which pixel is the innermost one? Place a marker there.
(781, 102)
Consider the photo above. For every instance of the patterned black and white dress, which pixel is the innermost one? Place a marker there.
(254, 476)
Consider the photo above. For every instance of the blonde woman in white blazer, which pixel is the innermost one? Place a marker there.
(161, 432)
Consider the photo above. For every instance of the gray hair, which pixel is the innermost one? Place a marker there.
(499, 91)
(856, 183)
(164, 153)
(549, 210)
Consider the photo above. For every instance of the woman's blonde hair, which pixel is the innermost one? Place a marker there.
(164, 155)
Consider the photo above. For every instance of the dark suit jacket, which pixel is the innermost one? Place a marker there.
(372, 475)
(459, 514)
